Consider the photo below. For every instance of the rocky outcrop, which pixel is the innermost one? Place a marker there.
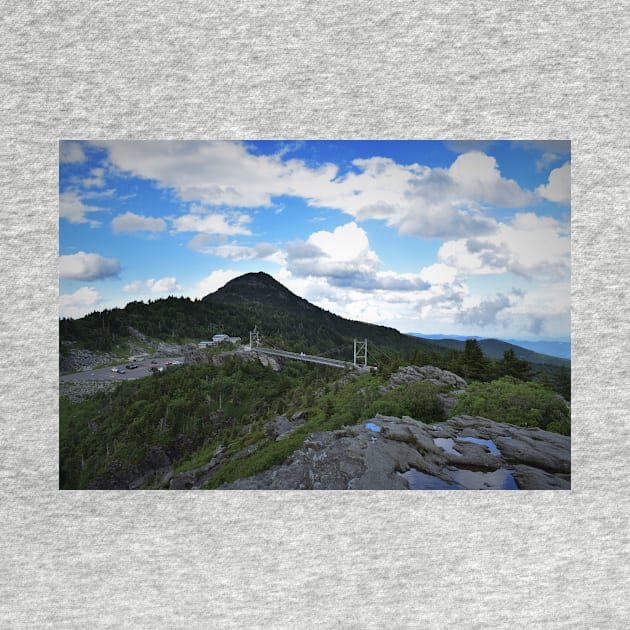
(280, 426)
(202, 356)
(400, 453)
(430, 373)
(77, 359)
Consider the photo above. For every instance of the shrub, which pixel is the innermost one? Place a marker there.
(510, 400)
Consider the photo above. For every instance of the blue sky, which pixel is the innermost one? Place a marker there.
(452, 237)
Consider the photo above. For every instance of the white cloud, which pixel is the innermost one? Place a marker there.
(420, 201)
(133, 287)
(439, 273)
(545, 160)
(163, 285)
(97, 178)
(84, 266)
(79, 303)
(477, 177)
(213, 223)
(391, 299)
(343, 256)
(130, 222)
(544, 310)
(214, 173)
(214, 281)
(72, 208)
(70, 152)
(528, 246)
(485, 312)
(233, 251)
(433, 203)
(558, 188)
(97, 194)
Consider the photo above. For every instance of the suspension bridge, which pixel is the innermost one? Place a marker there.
(359, 362)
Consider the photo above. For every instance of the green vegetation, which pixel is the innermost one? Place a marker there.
(181, 416)
(178, 418)
(285, 320)
(516, 402)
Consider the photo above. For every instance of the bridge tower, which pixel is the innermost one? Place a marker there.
(360, 347)
(254, 338)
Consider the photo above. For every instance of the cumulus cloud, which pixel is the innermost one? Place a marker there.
(439, 273)
(163, 285)
(79, 303)
(432, 203)
(130, 222)
(72, 208)
(558, 188)
(233, 251)
(70, 152)
(485, 313)
(477, 177)
(545, 160)
(133, 287)
(343, 255)
(215, 173)
(343, 258)
(529, 245)
(214, 281)
(84, 266)
(420, 201)
(212, 223)
(96, 179)
(545, 309)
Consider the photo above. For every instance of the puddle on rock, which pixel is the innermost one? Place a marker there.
(447, 445)
(373, 427)
(501, 479)
(421, 481)
(488, 443)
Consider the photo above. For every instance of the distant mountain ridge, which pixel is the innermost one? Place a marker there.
(549, 352)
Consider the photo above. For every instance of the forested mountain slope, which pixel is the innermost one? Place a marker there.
(252, 300)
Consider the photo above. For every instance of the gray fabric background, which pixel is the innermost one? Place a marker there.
(541, 70)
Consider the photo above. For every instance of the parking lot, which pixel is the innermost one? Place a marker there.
(125, 373)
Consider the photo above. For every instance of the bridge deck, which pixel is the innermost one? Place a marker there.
(310, 358)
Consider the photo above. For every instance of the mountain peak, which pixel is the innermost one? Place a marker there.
(257, 287)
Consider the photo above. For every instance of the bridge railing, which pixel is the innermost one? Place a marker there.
(310, 358)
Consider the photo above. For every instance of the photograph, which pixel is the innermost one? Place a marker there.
(314, 314)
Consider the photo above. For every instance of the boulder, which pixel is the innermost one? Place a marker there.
(430, 373)
(464, 452)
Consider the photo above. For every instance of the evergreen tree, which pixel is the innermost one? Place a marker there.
(475, 364)
(510, 365)
(562, 382)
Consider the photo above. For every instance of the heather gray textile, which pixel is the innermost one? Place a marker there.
(542, 70)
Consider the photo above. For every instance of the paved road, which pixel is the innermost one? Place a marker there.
(106, 374)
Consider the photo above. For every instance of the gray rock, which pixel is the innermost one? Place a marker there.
(528, 477)
(430, 373)
(473, 453)
(280, 426)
